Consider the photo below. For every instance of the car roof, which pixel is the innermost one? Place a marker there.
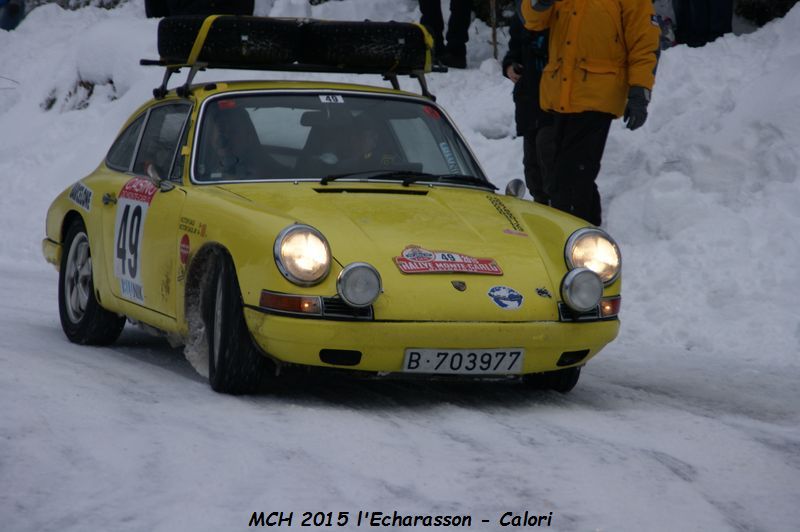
(209, 88)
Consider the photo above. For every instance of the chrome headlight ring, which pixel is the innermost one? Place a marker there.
(302, 255)
(359, 284)
(581, 289)
(594, 249)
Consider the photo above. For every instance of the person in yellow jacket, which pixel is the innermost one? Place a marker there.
(603, 58)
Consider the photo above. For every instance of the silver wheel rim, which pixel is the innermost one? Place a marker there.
(217, 322)
(78, 278)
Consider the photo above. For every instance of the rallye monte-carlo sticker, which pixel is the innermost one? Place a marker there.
(416, 259)
(132, 205)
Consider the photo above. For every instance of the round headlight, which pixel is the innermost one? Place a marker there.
(302, 255)
(582, 289)
(592, 248)
(359, 284)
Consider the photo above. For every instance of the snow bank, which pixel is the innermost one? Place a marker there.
(704, 198)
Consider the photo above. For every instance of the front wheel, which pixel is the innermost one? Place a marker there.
(235, 365)
(83, 320)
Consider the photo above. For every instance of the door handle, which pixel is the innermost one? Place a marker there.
(109, 198)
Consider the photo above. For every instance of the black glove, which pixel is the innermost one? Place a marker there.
(636, 110)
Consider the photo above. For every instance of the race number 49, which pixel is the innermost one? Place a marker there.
(132, 205)
(128, 238)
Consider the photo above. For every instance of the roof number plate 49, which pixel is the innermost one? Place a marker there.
(331, 98)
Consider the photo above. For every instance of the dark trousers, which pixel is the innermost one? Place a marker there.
(167, 8)
(11, 14)
(457, 26)
(580, 140)
(538, 158)
(698, 22)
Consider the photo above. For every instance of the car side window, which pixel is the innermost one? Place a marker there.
(160, 139)
(121, 153)
(180, 160)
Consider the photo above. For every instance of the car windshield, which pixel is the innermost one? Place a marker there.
(328, 136)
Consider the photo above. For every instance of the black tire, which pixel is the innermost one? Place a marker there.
(371, 46)
(252, 41)
(235, 364)
(83, 320)
(267, 42)
(562, 380)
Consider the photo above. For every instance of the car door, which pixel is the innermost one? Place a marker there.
(141, 220)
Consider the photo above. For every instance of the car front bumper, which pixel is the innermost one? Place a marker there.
(52, 252)
(383, 344)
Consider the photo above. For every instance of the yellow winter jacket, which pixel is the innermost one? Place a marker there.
(598, 50)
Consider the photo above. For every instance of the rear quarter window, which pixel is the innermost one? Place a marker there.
(160, 139)
(120, 155)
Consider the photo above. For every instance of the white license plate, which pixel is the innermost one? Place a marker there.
(499, 361)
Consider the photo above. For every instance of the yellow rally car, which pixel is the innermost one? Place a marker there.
(285, 224)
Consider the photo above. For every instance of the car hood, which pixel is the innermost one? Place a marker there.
(465, 252)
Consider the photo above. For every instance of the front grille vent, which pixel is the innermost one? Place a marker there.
(335, 308)
(567, 314)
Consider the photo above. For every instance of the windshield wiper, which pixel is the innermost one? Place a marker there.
(380, 174)
(333, 177)
(471, 179)
(411, 176)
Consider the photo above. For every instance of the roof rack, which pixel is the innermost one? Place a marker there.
(198, 43)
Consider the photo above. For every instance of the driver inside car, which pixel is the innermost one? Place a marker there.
(233, 150)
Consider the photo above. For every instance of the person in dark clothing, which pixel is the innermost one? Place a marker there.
(698, 22)
(454, 53)
(168, 8)
(523, 64)
(11, 13)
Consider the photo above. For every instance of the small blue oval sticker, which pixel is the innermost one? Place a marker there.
(506, 298)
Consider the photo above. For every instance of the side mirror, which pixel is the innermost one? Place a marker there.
(151, 173)
(153, 176)
(516, 188)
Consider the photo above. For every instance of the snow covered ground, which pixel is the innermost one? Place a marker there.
(689, 421)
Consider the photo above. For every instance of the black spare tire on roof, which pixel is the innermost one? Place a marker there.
(232, 40)
(380, 46)
(263, 42)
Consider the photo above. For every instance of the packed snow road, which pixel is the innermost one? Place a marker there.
(690, 420)
(132, 438)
